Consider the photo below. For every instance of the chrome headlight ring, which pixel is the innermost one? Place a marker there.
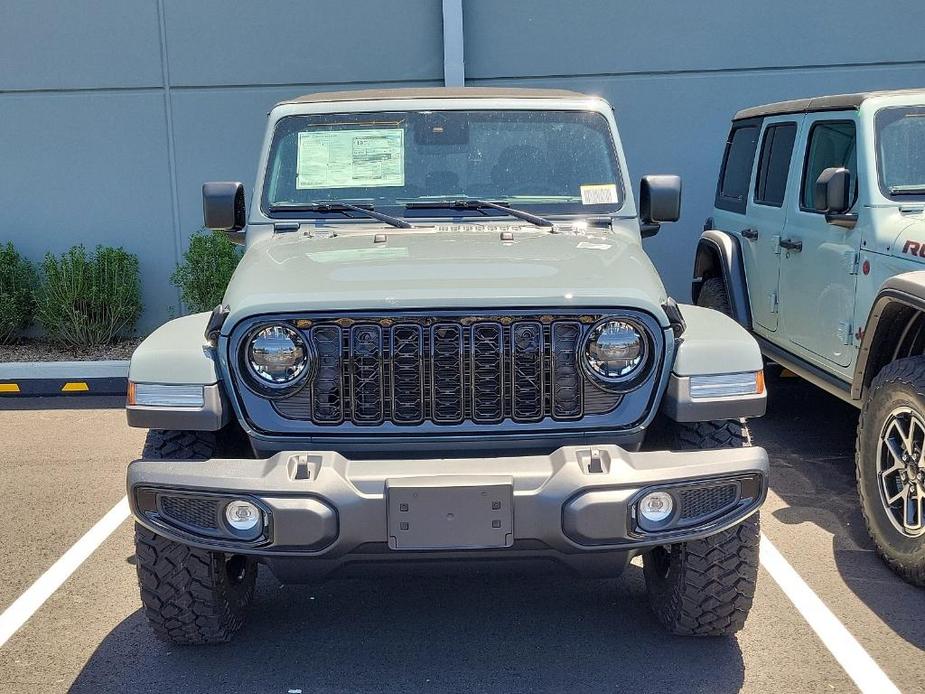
(276, 358)
(617, 353)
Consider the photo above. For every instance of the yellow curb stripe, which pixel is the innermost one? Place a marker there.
(9, 387)
(75, 387)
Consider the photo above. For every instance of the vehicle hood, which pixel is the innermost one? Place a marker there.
(444, 267)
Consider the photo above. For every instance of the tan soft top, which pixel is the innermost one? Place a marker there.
(436, 93)
(836, 102)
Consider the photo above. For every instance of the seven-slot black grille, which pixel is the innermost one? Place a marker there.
(446, 371)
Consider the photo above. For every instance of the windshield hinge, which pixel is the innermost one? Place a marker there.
(853, 261)
(845, 332)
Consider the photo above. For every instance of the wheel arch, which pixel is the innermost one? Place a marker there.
(895, 328)
(720, 255)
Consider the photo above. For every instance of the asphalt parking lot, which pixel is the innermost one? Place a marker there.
(61, 470)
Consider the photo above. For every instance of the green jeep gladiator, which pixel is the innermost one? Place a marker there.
(444, 344)
(817, 246)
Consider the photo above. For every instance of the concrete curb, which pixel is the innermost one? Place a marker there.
(64, 378)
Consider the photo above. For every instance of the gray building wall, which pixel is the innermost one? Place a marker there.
(113, 112)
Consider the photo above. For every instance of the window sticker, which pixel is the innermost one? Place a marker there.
(367, 158)
(599, 194)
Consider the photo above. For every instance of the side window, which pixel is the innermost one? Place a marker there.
(735, 175)
(831, 143)
(774, 164)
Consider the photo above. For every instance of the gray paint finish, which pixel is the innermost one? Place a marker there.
(98, 44)
(674, 72)
(549, 37)
(214, 42)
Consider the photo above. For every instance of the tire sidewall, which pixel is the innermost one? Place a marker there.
(883, 401)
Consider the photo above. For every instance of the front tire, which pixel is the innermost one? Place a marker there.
(190, 596)
(713, 295)
(706, 587)
(890, 466)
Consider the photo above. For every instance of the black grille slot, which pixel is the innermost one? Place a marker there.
(327, 386)
(706, 501)
(190, 511)
(366, 380)
(527, 391)
(446, 372)
(407, 348)
(487, 372)
(566, 379)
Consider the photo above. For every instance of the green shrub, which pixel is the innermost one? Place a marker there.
(206, 269)
(89, 299)
(18, 281)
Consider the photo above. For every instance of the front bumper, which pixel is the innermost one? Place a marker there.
(320, 505)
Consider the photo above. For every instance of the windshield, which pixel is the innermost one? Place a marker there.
(901, 150)
(547, 162)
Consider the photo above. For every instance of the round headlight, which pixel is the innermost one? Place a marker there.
(615, 350)
(277, 355)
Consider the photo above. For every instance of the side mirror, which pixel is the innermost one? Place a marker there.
(223, 206)
(832, 194)
(659, 201)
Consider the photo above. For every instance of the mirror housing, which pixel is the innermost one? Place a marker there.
(832, 193)
(659, 201)
(223, 207)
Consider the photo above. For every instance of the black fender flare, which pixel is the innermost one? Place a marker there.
(720, 255)
(905, 291)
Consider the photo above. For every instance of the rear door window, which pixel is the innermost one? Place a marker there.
(735, 175)
(774, 164)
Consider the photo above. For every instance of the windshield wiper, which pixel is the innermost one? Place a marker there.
(344, 207)
(471, 204)
(907, 190)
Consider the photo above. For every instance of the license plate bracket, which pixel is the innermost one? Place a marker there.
(450, 512)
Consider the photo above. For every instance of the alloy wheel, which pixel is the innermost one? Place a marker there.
(901, 470)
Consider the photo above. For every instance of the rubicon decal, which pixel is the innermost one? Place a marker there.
(915, 248)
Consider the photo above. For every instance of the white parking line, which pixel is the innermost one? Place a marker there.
(28, 603)
(860, 667)
(866, 674)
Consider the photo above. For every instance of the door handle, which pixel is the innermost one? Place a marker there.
(794, 245)
(750, 234)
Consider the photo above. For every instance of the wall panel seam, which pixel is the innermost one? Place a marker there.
(696, 72)
(171, 148)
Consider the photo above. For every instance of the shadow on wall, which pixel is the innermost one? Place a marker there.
(447, 633)
(809, 436)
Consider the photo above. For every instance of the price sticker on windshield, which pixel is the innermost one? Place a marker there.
(367, 158)
(599, 194)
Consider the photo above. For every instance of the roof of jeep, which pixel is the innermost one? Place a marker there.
(835, 102)
(436, 93)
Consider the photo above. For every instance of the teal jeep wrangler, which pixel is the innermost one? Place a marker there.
(817, 246)
(445, 344)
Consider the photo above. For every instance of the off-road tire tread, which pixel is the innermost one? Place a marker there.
(711, 586)
(724, 433)
(911, 373)
(185, 592)
(713, 295)
(185, 597)
(720, 576)
(164, 444)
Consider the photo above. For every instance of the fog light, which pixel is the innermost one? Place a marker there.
(242, 515)
(656, 506)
